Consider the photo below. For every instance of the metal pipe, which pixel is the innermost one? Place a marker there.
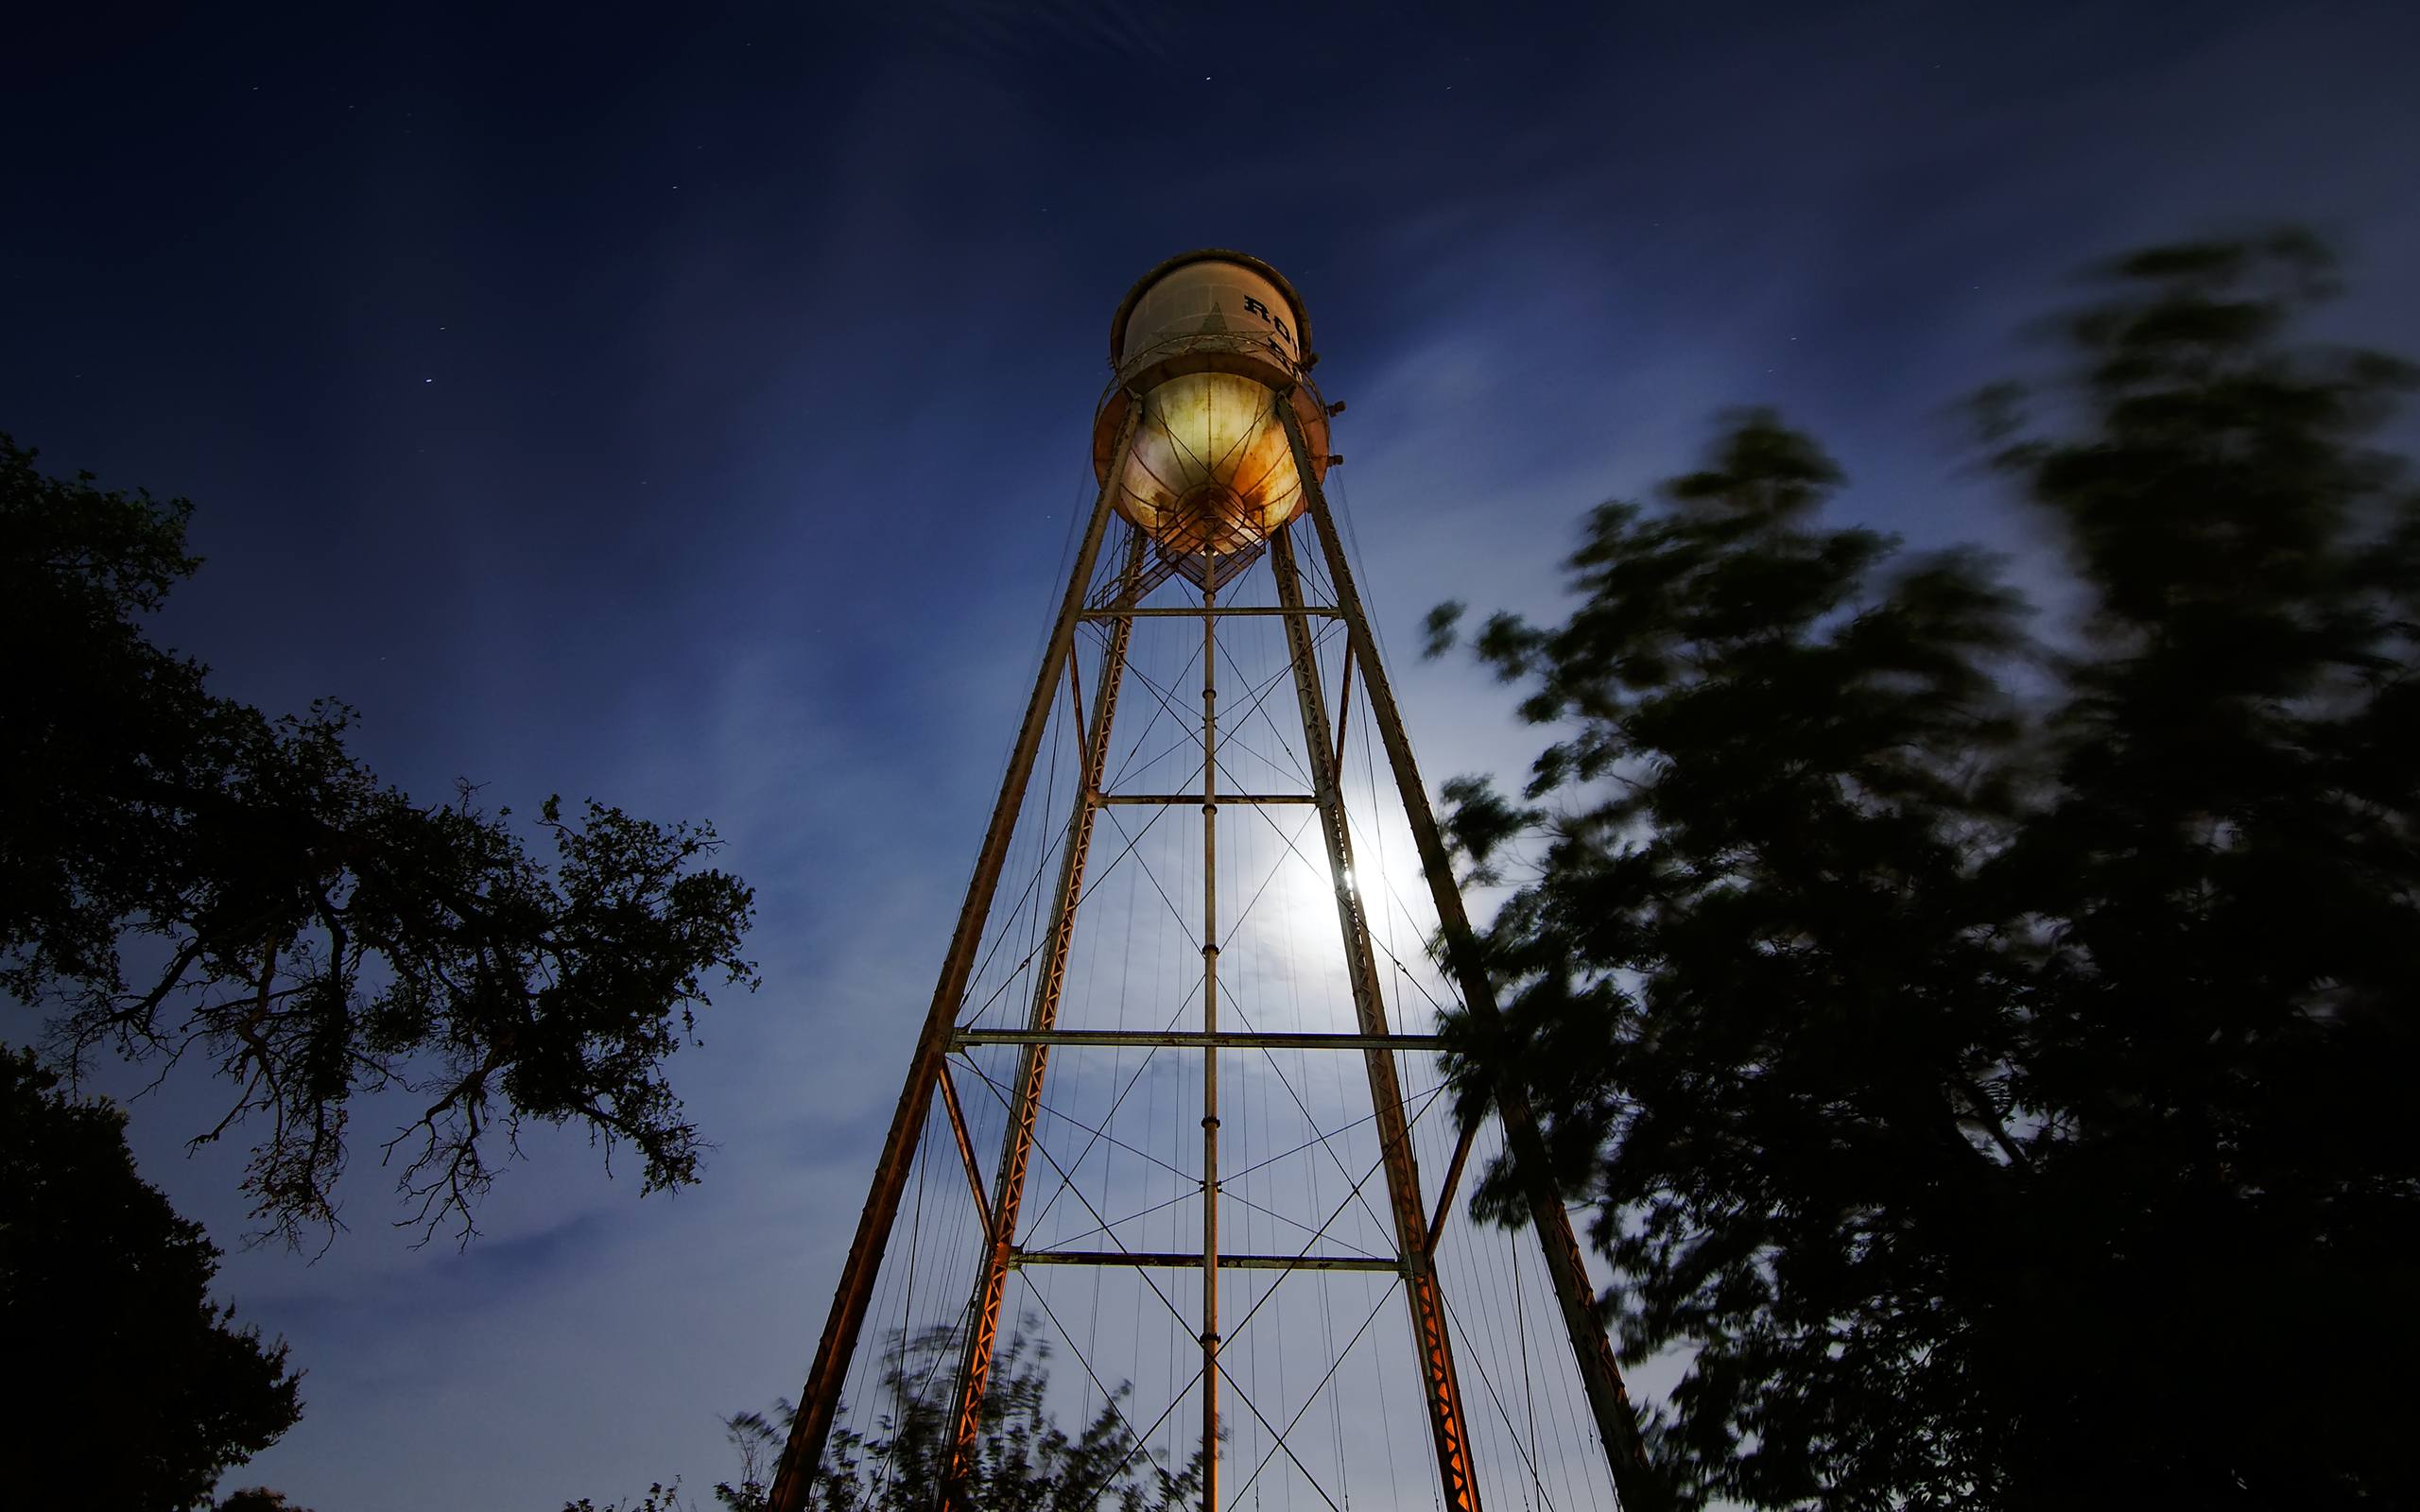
(1177, 1260)
(1453, 1180)
(966, 1149)
(803, 1455)
(1314, 610)
(1076, 688)
(1210, 1052)
(1343, 711)
(1171, 798)
(1191, 1039)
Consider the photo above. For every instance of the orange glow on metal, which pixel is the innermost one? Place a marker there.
(1210, 466)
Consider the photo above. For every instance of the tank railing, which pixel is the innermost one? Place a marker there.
(1240, 343)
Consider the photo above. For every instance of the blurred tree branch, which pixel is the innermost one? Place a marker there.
(318, 934)
(1985, 1059)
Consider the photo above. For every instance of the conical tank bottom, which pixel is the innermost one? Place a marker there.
(1210, 470)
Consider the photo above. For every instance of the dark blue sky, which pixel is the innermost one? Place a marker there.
(688, 407)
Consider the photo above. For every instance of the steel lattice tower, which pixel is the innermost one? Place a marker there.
(1210, 450)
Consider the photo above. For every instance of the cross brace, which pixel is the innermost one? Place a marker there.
(1309, 610)
(1182, 1261)
(1191, 798)
(1194, 1039)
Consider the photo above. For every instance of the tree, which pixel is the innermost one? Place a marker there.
(313, 934)
(1023, 1461)
(257, 1499)
(132, 1389)
(1996, 1093)
(657, 1498)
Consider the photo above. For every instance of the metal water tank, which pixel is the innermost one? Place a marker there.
(1210, 340)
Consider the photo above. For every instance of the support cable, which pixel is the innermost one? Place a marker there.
(1041, 1148)
(1309, 1119)
(1112, 1114)
(1098, 1135)
(1269, 1428)
(1487, 1381)
(1176, 1399)
(1027, 959)
(1037, 1295)
(1385, 1296)
(1340, 1209)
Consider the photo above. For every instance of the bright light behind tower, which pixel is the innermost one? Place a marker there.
(1194, 1088)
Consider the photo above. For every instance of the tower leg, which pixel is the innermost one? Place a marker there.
(1442, 1390)
(1025, 1103)
(1600, 1373)
(803, 1454)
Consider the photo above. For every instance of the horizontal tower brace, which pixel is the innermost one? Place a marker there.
(1307, 611)
(1193, 1040)
(1190, 800)
(1171, 1261)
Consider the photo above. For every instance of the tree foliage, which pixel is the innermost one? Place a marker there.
(131, 1387)
(257, 1499)
(1983, 1056)
(181, 874)
(657, 1498)
(1023, 1460)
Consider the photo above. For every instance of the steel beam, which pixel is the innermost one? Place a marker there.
(1600, 1373)
(1210, 1027)
(965, 1146)
(1313, 610)
(1167, 799)
(1025, 1103)
(803, 1455)
(1442, 1390)
(1344, 710)
(1194, 1039)
(1453, 1182)
(1177, 1260)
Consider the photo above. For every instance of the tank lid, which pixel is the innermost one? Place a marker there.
(1205, 254)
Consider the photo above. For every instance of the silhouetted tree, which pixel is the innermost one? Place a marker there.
(1024, 1461)
(1998, 1096)
(128, 1387)
(313, 934)
(257, 1499)
(657, 1498)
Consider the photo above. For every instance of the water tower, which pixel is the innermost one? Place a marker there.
(1164, 1047)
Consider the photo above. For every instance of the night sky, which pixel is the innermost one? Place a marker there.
(689, 410)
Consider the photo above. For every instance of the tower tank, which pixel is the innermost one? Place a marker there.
(1209, 343)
